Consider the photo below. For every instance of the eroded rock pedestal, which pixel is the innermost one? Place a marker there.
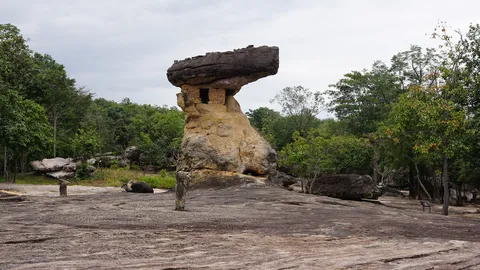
(219, 145)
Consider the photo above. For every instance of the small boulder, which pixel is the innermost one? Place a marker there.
(92, 161)
(122, 163)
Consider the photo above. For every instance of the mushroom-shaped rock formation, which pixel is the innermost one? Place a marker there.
(218, 136)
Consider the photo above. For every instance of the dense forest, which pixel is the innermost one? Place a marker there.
(412, 122)
(44, 114)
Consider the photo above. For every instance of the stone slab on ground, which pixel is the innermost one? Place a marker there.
(232, 228)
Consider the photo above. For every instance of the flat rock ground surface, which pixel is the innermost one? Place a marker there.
(231, 228)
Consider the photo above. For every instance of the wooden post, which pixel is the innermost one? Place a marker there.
(63, 189)
(180, 191)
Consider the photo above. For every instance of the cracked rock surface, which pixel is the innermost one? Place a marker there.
(233, 228)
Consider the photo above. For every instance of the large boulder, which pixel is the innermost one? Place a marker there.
(217, 135)
(227, 143)
(51, 164)
(226, 69)
(284, 180)
(132, 154)
(345, 186)
(59, 168)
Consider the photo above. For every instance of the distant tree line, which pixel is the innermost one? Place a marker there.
(413, 122)
(44, 114)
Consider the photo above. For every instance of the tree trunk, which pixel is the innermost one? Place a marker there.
(5, 162)
(459, 195)
(23, 163)
(310, 184)
(15, 169)
(446, 190)
(420, 182)
(411, 181)
(5, 165)
(376, 157)
(55, 136)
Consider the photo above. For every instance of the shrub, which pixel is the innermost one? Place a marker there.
(82, 171)
(164, 180)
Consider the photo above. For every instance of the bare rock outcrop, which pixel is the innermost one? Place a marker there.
(218, 136)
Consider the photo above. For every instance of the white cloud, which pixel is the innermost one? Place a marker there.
(123, 48)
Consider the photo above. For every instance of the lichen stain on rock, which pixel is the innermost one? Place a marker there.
(218, 137)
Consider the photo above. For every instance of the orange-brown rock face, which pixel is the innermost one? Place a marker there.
(218, 135)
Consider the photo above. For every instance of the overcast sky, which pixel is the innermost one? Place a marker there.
(122, 48)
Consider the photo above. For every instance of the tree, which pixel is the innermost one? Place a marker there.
(85, 143)
(264, 121)
(31, 133)
(9, 119)
(435, 125)
(261, 118)
(52, 88)
(363, 99)
(23, 128)
(158, 132)
(15, 62)
(412, 67)
(314, 155)
(302, 103)
(97, 119)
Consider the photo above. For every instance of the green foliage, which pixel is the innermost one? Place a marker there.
(32, 130)
(317, 154)
(51, 87)
(164, 180)
(15, 61)
(262, 118)
(24, 129)
(363, 99)
(282, 129)
(82, 171)
(97, 119)
(298, 100)
(158, 133)
(422, 106)
(302, 105)
(85, 143)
